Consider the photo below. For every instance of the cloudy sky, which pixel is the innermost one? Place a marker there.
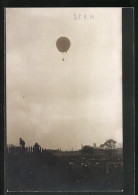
(63, 104)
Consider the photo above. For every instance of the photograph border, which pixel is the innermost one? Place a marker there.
(128, 75)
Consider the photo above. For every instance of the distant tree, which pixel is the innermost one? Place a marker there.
(87, 150)
(110, 144)
(102, 146)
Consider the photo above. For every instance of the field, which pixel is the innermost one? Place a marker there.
(46, 171)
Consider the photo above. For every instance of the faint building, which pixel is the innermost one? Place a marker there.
(94, 145)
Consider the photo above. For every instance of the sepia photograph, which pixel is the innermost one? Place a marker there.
(64, 130)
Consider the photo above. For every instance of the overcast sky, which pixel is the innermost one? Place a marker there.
(63, 104)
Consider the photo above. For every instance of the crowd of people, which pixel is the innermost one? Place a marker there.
(65, 173)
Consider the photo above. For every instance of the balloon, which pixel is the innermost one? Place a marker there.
(63, 44)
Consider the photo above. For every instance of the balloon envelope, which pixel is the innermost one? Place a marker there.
(63, 44)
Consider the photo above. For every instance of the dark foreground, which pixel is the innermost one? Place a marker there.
(63, 173)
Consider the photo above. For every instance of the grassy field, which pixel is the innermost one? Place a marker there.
(64, 173)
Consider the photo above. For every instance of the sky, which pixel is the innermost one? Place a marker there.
(63, 104)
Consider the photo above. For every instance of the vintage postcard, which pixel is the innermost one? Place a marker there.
(64, 99)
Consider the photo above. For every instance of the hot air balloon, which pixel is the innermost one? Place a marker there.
(63, 44)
